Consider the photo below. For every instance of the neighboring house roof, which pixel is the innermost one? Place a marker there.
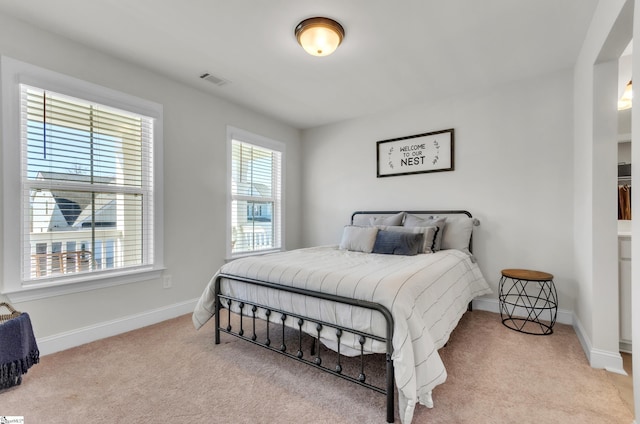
(105, 214)
(69, 209)
(76, 206)
(262, 189)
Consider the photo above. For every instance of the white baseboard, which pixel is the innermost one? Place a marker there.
(80, 336)
(585, 341)
(598, 358)
(626, 346)
(611, 361)
(492, 305)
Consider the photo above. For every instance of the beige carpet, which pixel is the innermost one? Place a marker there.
(171, 373)
(624, 383)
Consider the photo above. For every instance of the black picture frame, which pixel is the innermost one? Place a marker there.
(416, 154)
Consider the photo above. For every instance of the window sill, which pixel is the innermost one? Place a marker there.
(34, 291)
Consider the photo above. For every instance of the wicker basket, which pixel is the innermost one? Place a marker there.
(12, 313)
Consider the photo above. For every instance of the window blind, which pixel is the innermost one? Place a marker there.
(87, 174)
(256, 179)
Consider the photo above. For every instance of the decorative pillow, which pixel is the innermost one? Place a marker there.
(429, 237)
(398, 243)
(458, 233)
(358, 239)
(388, 220)
(361, 220)
(415, 221)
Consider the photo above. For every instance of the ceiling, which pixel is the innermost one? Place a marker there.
(394, 53)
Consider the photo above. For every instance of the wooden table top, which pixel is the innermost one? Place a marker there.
(527, 274)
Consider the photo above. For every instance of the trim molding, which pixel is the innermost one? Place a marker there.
(598, 358)
(611, 361)
(80, 336)
(491, 305)
(626, 346)
(82, 284)
(585, 342)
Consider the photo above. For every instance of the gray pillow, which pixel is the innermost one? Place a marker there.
(458, 233)
(429, 238)
(395, 219)
(415, 221)
(358, 239)
(397, 243)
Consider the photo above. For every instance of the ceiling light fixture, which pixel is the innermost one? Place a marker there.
(625, 101)
(319, 36)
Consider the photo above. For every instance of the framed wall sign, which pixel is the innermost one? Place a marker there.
(415, 154)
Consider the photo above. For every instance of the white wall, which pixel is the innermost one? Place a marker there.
(595, 145)
(635, 231)
(513, 171)
(194, 190)
(624, 152)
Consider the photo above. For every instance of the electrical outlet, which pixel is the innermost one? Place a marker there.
(166, 282)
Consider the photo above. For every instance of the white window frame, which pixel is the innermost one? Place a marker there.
(267, 143)
(12, 74)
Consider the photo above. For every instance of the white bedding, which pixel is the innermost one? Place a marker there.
(426, 294)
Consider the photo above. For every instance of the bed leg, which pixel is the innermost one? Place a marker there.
(390, 397)
(217, 310)
(217, 321)
(313, 347)
(470, 306)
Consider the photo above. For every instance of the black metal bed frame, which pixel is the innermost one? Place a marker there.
(225, 301)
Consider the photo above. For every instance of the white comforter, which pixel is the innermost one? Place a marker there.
(426, 294)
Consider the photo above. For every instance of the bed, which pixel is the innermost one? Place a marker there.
(397, 285)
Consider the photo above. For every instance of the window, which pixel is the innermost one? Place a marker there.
(87, 185)
(256, 194)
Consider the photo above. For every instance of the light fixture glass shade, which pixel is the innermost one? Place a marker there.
(319, 36)
(625, 101)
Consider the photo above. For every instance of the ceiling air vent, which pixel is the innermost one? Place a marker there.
(214, 79)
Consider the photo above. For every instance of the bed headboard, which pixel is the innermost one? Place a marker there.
(363, 218)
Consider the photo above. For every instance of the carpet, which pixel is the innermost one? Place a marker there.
(169, 372)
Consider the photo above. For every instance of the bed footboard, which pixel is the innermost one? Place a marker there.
(248, 311)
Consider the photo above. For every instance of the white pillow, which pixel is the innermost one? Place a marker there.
(457, 233)
(358, 239)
